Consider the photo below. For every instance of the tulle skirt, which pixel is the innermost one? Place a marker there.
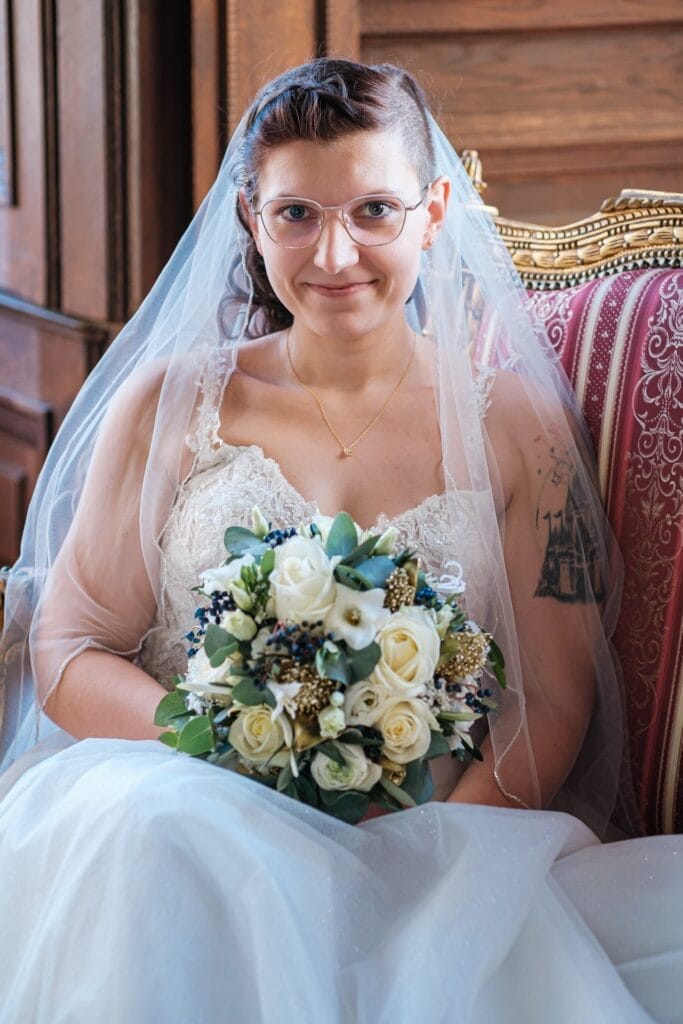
(139, 885)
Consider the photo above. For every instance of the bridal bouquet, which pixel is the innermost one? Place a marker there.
(327, 665)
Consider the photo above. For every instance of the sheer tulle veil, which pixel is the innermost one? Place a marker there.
(90, 571)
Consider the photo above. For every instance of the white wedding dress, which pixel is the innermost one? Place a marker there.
(138, 885)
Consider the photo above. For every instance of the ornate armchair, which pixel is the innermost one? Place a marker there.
(610, 290)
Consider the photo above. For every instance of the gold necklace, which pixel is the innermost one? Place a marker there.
(347, 449)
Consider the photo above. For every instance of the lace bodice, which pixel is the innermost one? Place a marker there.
(227, 481)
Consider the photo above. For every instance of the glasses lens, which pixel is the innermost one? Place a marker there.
(292, 222)
(375, 220)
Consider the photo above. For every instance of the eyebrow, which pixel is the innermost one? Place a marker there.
(358, 195)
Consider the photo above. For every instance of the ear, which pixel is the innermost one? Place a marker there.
(251, 219)
(436, 204)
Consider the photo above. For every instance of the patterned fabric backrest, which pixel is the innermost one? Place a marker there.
(620, 339)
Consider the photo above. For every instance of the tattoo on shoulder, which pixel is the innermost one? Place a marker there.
(571, 569)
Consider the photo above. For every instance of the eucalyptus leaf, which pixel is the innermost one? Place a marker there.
(348, 805)
(169, 738)
(246, 692)
(307, 790)
(438, 745)
(330, 750)
(363, 661)
(418, 782)
(351, 578)
(169, 707)
(343, 537)
(334, 666)
(376, 569)
(403, 798)
(219, 656)
(197, 737)
(284, 778)
(361, 551)
(215, 638)
(238, 540)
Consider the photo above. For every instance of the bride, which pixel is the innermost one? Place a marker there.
(340, 328)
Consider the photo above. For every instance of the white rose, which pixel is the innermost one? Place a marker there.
(332, 722)
(406, 726)
(255, 735)
(358, 772)
(410, 646)
(228, 577)
(241, 626)
(259, 643)
(357, 615)
(203, 679)
(302, 582)
(365, 701)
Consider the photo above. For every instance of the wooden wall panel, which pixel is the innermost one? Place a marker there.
(7, 116)
(24, 267)
(566, 104)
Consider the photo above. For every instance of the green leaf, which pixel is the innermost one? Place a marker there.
(497, 663)
(351, 578)
(307, 789)
(352, 735)
(376, 569)
(342, 538)
(330, 750)
(169, 738)
(197, 737)
(219, 656)
(284, 778)
(347, 805)
(333, 665)
(361, 551)
(247, 692)
(238, 540)
(267, 562)
(224, 758)
(403, 798)
(438, 745)
(418, 782)
(215, 638)
(362, 662)
(169, 707)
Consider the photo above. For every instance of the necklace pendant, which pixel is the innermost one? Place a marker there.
(347, 451)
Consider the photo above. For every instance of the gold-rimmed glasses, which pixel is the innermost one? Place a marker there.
(375, 219)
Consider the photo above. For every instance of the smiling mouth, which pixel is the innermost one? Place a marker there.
(338, 291)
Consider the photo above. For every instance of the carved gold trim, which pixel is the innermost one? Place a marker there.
(637, 228)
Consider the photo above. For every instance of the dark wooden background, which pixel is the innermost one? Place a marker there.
(114, 115)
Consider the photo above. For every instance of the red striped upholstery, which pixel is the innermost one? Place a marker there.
(620, 340)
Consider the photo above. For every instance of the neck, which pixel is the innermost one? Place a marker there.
(349, 363)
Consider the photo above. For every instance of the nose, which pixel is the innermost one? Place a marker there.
(335, 249)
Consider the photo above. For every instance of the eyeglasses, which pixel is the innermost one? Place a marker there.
(296, 223)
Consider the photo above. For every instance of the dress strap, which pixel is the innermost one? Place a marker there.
(204, 438)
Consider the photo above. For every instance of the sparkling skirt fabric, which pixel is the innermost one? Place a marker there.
(139, 885)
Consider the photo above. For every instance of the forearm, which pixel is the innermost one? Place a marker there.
(103, 694)
(477, 784)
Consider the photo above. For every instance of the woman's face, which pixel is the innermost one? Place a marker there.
(335, 286)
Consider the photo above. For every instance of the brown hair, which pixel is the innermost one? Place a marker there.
(323, 101)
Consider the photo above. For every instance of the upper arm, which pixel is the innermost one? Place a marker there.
(99, 591)
(555, 579)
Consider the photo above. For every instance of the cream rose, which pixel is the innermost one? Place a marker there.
(358, 772)
(365, 701)
(255, 735)
(302, 582)
(410, 647)
(406, 726)
(240, 625)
